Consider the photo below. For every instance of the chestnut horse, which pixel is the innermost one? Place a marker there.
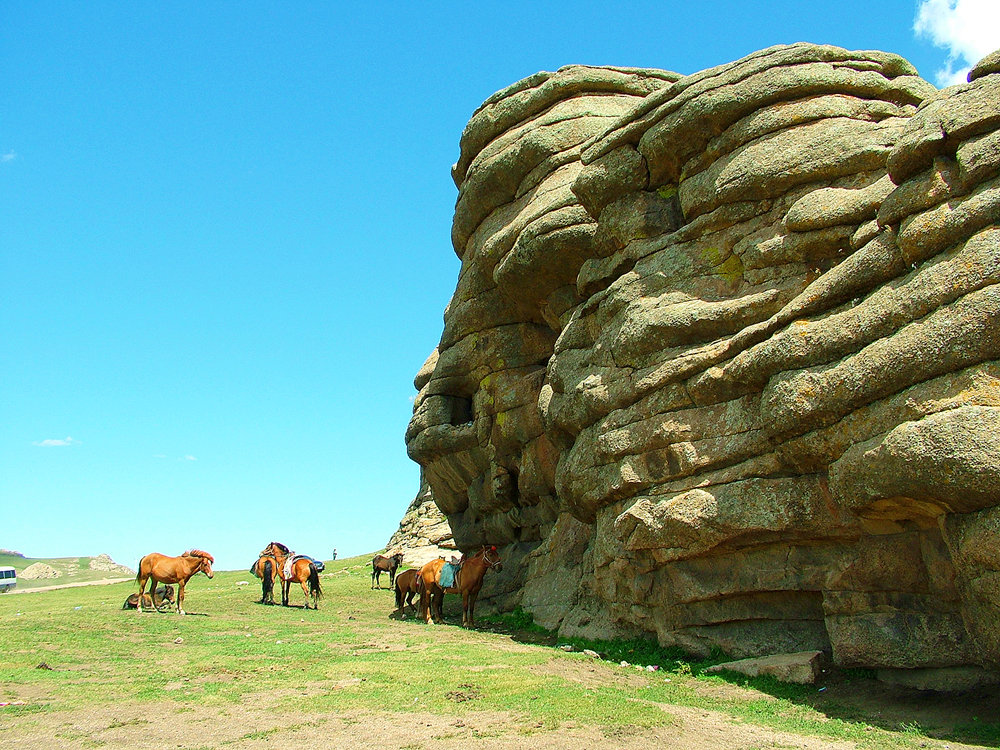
(266, 569)
(164, 569)
(382, 564)
(303, 572)
(468, 581)
(407, 586)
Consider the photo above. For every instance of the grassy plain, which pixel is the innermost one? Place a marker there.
(77, 671)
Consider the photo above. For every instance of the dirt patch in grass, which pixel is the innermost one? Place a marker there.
(590, 673)
(160, 725)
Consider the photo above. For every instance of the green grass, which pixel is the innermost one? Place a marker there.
(351, 655)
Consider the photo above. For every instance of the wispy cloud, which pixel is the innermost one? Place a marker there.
(56, 442)
(968, 29)
(190, 458)
(9, 156)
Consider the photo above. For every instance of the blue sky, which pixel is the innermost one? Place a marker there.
(224, 242)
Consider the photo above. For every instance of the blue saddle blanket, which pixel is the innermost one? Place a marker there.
(448, 572)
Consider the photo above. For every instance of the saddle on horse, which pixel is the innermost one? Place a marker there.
(449, 574)
(294, 557)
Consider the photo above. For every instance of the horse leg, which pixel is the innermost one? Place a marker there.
(180, 597)
(142, 588)
(472, 608)
(438, 604)
(425, 604)
(286, 587)
(305, 593)
(465, 609)
(153, 583)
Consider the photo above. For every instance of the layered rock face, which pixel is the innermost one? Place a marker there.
(721, 361)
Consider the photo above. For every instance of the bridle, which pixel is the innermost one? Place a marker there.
(486, 558)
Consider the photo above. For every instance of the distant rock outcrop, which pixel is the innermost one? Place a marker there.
(424, 533)
(38, 570)
(105, 563)
(721, 364)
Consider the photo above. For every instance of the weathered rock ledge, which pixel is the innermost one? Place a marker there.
(721, 363)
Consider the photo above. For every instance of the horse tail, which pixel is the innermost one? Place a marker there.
(266, 580)
(399, 595)
(138, 572)
(314, 588)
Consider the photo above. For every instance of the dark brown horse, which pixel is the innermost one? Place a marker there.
(302, 570)
(164, 594)
(266, 569)
(468, 581)
(164, 569)
(382, 564)
(407, 586)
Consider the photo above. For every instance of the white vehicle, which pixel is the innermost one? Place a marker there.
(8, 578)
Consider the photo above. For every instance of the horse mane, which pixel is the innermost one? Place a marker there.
(282, 547)
(199, 553)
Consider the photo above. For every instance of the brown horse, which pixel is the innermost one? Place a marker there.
(407, 586)
(382, 564)
(164, 569)
(468, 581)
(303, 572)
(266, 569)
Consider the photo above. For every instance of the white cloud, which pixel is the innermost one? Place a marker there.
(9, 156)
(968, 29)
(56, 442)
(190, 458)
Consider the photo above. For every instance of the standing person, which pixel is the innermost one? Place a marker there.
(334, 553)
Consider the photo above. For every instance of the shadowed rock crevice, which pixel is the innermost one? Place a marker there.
(721, 363)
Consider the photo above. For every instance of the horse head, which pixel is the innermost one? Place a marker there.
(398, 557)
(275, 548)
(491, 556)
(205, 562)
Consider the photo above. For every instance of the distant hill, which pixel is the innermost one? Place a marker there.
(35, 572)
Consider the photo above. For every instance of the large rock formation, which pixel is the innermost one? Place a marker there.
(721, 361)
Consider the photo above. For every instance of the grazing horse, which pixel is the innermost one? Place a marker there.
(381, 564)
(266, 569)
(407, 586)
(302, 571)
(468, 581)
(164, 569)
